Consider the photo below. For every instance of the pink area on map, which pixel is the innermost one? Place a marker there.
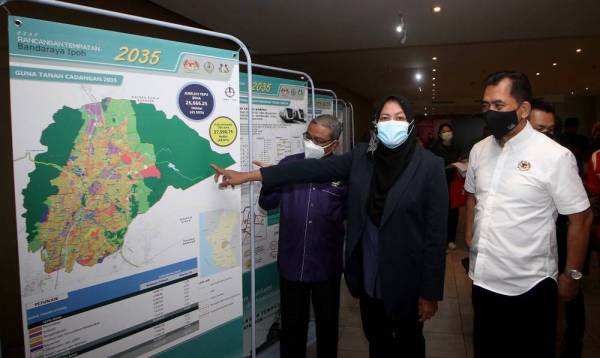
(151, 171)
(126, 158)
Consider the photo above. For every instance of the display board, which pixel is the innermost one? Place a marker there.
(125, 248)
(326, 105)
(279, 120)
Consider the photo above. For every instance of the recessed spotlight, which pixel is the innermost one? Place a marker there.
(572, 92)
(587, 88)
(418, 76)
(425, 114)
(434, 58)
(433, 78)
(537, 73)
(578, 50)
(399, 28)
(554, 63)
(433, 85)
(434, 70)
(437, 8)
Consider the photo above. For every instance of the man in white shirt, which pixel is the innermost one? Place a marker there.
(517, 182)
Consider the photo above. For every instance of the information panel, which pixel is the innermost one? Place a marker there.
(125, 248)
(279, 120)
(325, 105)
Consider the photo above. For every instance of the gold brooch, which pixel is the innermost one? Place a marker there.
(524, 165)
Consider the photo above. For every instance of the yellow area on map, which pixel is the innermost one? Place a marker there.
(220, 240)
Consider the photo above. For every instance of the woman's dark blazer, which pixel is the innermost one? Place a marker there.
(412, 234)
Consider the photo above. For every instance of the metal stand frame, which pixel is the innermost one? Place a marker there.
(335, 98)
(287, 70)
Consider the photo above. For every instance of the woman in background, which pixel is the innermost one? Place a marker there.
(445, 148)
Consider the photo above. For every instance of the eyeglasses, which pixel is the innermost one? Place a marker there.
(317, 141)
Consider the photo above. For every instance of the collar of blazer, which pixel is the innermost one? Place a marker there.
(401, 184)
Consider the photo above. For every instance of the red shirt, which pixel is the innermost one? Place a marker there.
(592, 180)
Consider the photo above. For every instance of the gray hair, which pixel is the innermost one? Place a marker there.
(330, 122)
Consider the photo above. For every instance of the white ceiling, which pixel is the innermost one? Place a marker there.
(353, 44)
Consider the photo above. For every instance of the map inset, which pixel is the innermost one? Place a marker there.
(106, 163)
(220, 241)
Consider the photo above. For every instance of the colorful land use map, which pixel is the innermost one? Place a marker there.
(106, 163)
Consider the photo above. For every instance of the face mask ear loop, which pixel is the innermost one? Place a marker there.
(411, 127)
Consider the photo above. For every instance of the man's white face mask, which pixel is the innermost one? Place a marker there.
(313, 151)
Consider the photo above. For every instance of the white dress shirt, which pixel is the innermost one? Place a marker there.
(519, 188)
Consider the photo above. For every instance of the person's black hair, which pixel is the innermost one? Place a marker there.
(407, 108)
(520, 88)
(571, 122)
(444, 125)
(543, 106)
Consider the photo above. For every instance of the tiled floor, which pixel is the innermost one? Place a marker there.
(449, 333)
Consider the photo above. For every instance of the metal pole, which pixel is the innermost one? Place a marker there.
(96, 11)
(295, 72)
(345, 104)
(352, 120)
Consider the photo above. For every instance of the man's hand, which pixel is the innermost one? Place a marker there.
(233, 178)
(427, 309)
(567, 288)
(470, 219)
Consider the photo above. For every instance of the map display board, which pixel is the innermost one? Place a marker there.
(126, 246)
(279, 120)
(325, 105)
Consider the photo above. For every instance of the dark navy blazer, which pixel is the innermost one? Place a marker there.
(412, 233)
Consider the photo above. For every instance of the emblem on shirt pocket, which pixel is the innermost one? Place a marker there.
(524, 165)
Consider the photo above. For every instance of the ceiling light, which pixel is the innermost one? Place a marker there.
(587, 88)
(418, 76)
(572, 92)
(433, 85)
(537, 73)
(578, 50)
(433, 78)
(434, 58)
(437, 8)
(401, 28)
(425, 114)
(434, 70)
(420, 89)
(554, 63)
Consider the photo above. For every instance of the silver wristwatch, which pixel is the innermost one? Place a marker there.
(574, 274)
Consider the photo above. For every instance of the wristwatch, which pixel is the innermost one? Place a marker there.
(574, 274)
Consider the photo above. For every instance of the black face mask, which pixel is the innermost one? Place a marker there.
(500, 123)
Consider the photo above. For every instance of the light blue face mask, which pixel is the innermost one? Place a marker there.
(393, 133)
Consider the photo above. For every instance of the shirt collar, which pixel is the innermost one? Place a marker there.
(521, 137)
